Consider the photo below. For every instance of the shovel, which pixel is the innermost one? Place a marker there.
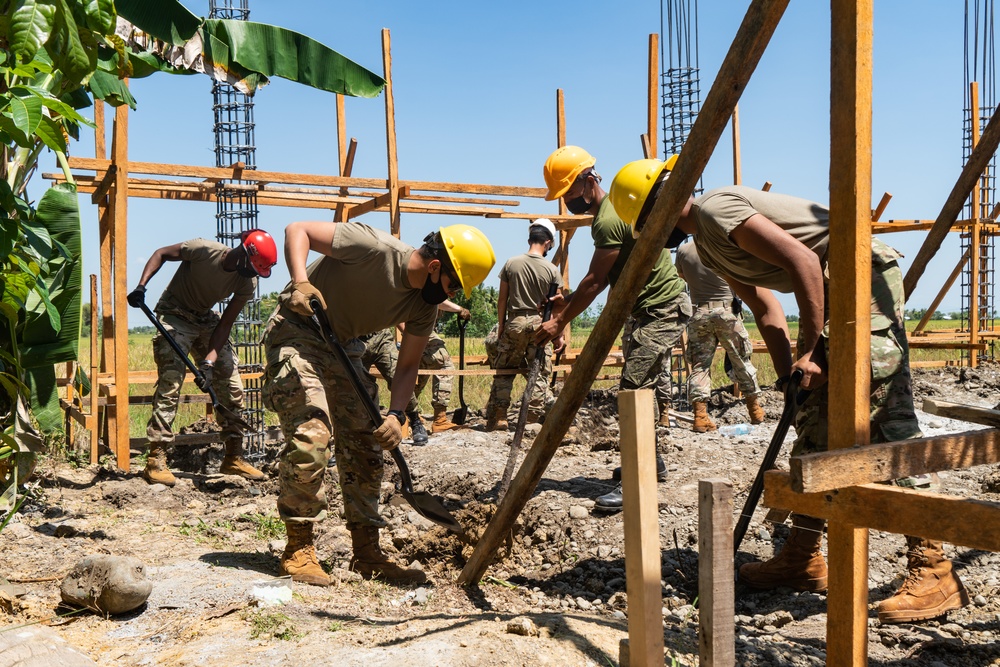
(218, 407)
(463, 412)
(793, 399)
(427, 506)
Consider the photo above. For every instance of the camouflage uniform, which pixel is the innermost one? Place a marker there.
(664, 389)
(714, 323)
(435, 357)
(309, 389)
(490, 343)
(516, 349)
(648, 339)
(192, 333)
(381, 352)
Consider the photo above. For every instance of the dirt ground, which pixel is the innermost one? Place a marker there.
(556, 598)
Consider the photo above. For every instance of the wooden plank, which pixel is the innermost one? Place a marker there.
(92, 415)
(849, 305)
(101, 190)
(373, 204)
(716, 588)
(976, 233)
(737, 166)
(751, 39)
(893, 509)
(181, 440)
(894, 226)
(640, 509)
(346, 170)
(822, 471)
(968, 413)
(653, 96)
(390, 136)
(880, 209)
(119, 153)
(944, 290)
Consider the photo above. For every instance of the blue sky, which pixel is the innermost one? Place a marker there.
(475, 88)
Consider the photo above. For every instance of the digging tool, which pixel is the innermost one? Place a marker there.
(463, 412)
(522, 415)
(793, 399)
(555, 373)
(218, 407)
(427, 506)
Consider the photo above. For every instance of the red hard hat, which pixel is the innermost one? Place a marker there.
(261, 249)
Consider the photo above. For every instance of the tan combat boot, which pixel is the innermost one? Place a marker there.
(156, 470)
(931, 587)
(754, 410)
(664, 419)
(371, 563)
(235, 464)
(799, 565)
(441, 421)
(702, 422)
(299, 559)
(497, 420)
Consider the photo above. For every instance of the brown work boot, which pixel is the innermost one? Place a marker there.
(497, 420)
(702, 422)
(371, 563)
(235, 464)
(799, 565)
(156, 470)
(754, 410)
(931, 587)
(664, 419)
(299, 559)
(441, 421)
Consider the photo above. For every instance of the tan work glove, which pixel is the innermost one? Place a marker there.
(464, 314)
(298, 300)
(390, 433)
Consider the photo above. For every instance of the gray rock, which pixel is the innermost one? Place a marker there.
(108, 584)
(38, 646)
(583, 604)
(980, 601)
(578, 512)
(522, 626)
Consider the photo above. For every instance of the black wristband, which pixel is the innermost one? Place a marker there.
(398, 414)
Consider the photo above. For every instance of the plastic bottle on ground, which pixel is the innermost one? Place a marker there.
(731, 430)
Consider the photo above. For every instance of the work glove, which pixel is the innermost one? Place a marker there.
(390, 433)
(464, 314)
(207, 369)
(137, 297)
(298, 301)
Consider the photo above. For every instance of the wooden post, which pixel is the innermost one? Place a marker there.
(975, 234)
(652, 111)
(737, 167)
(119, 217)
(340, 213)
(716, 592)
(93, 420)
(751, 39)
(390, 136)
(642, 527)
(850, 309)
(944, 290)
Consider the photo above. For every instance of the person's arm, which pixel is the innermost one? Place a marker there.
(771, 323)
(300, 238)
(449, 306)
(221, 332)
(170, 253)
(502, 306)
(589, 288)
(410, 351)
(764, 239)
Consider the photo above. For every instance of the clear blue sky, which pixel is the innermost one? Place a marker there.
(475, 88)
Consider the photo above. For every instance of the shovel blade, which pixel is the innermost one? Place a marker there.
(233, 417)
(430, 508)
(460, 416)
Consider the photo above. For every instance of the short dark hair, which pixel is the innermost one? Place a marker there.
(538, 234)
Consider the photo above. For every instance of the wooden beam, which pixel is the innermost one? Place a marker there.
(101, 191)
(880, 209)
(653, 90)
(737, 166)
(975, 236)
(716, 592)
(642, 527)
(390, 136)
(752, 37)
(968, 413)
(893, 509)
(381, 201)
(92, 415)
(346, 170)
(119, 208)
(822, 471)
(944, 290)
(971, 172)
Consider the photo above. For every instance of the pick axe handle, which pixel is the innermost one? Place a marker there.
(177, 348)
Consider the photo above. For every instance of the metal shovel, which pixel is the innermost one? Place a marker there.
(218, 407)
(427, 505)
(463, 412)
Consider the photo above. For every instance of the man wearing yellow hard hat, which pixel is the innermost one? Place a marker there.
(662, 308)
(366, 280)
(762, 241)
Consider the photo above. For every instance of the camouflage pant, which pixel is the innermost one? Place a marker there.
(516, 349)
(192, 335)
(311, 392)
(712, 324)
(892, 413)
(436, 357)
(491, 342)
(380, 351)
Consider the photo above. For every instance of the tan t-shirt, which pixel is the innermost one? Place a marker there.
(705, 284)
(528, 277)
(718, 212)
(365, 286)
(200, 282)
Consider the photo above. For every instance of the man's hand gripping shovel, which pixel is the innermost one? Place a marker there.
(218, 407)
(425, 504)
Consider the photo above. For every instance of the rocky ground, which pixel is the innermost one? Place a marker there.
(556, 598)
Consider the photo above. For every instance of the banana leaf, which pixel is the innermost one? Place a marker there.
(44, 398)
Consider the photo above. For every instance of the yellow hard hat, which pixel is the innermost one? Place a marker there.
(632, 185)
(562, 167)
(471, 254)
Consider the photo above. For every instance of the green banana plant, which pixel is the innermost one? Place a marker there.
(56, 56)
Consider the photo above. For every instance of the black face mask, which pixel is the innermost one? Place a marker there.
(676, 238)
(243, 266)
(433, 292)
(578, 206)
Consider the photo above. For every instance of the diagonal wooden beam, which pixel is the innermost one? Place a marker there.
(379, 201)
(104, 185)
(751, 39)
